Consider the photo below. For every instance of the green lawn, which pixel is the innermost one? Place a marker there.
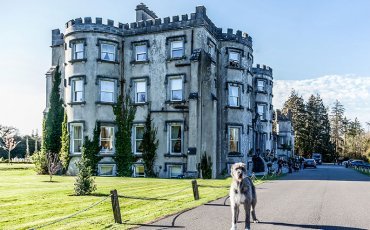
(28, 200)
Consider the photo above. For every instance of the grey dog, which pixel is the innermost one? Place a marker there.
(242, 192)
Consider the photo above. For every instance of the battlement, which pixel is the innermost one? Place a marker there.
(155, 24)
(283, 117)
(262, 69)
(56, 38)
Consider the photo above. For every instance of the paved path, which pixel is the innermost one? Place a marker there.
(329, 197)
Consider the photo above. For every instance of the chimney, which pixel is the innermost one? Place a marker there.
(143, 13)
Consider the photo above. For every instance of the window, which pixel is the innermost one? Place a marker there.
(260, 85)
(176, 89)
(177, 49)
(234, 58)
(76, 138)
(78, 50)
(211, 49)
(175, 138)
(139, 171)
(107, 169)
(140, 91)
(175, 171)
(234, 99)
(107, 52)
(261, 111)
(139, 135)
(106, 138)
(77, 90)
(234, 145)
(107, 91)
(141, 52)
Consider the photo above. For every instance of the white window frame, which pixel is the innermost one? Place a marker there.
(169, 167)
(237, 97)
(113, 92)
(263, 115)
(171, 90)
(114, 169)
(259, 87)
(135, 139)
(135, 171)
(75, 53)
(177, 48)
(104, 52)
(137, 93)
(107, 139)
(170, 138)
(72, 137)
(230, 128)
(141, 53)
(74, 98)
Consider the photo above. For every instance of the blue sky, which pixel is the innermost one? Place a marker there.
(305, 39)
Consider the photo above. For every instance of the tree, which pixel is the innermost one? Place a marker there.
(91, 149)
(296, 108)
(53, 164)
(54, 117)
(125, 114)
(84, 183)
(64, 151)
(337, 127)
(9, 143)
(149, 146)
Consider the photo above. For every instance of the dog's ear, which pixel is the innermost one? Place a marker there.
(243, 166)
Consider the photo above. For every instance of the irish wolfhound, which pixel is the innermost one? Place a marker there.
(242, 191)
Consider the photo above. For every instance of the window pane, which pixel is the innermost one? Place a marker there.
(79, 47)
(260, 109)
(107, 48)
(77, 132)
(141, 49)
(234, 56)
(141, 97)
(234, 91)
(106, 145)
(233, 101)
(106, 97)
(176, 146)
(106, 170)
(138, 146)
(139, 170)
(106, 132)
(78, 85)
(77, 144)
(234, 140)
(107, 86)
(177, 53)
(176, 84)
(175, 132)
(139, 132)
(141, 57)
(175, 171)
(140, 86)
(176, 95)
(177, 44)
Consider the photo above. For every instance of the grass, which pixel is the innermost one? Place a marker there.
(28, 200)
(363, 172)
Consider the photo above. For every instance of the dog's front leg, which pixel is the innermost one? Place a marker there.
(247, 209)
(235, 214)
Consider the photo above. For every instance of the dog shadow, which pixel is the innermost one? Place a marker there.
(310, 226)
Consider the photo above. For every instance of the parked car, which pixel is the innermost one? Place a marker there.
(357, 163)
(309, 163)
(317, 157)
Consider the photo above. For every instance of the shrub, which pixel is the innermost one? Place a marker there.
(206, 166)
(40, 161)
(84, 184)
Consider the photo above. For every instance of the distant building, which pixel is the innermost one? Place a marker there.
(196, 81)
(284, 139)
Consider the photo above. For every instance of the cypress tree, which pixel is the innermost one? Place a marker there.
(91, 149)
(64, 151)
(125, 114)
(149, 145)
(54, 117)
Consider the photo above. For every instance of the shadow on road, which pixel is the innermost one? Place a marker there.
(327, 173)
(326, 227)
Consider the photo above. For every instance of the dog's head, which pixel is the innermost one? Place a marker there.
(238, 171)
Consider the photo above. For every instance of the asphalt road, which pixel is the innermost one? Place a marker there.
(329, 197)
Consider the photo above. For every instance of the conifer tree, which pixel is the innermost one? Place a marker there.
(149, 146)
(337, 127)
(64, 151)
(125, 114)
(91, 149)
(54, 117)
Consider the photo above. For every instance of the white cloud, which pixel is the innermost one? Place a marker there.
(352, 91)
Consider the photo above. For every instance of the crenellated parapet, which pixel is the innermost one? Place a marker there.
(56, 38)
(262, 69)
(154, 25)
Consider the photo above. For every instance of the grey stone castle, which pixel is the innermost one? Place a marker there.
(197, 82)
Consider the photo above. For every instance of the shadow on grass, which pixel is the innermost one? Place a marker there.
(129, 197)
(48, 181)
(310, 226)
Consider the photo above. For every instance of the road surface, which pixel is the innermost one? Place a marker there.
(329, 197)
